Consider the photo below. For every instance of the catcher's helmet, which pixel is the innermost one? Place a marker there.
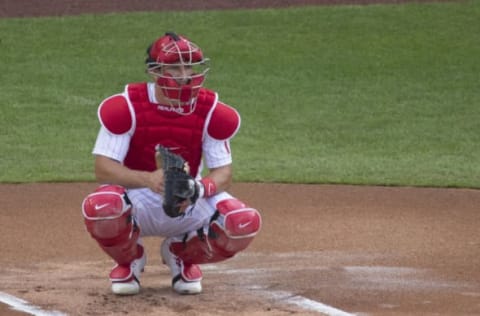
(179, 68)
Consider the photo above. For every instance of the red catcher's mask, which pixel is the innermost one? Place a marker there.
(179, 69)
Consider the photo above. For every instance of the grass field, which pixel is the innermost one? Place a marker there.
(376, 94)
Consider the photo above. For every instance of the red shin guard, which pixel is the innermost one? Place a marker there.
(231, 230)
(108, 219)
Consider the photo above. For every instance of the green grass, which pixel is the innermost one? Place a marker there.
(380, 94)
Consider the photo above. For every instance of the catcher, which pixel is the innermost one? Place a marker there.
(153, 141)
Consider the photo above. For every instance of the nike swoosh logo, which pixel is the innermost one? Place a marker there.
(98, 207)
(243, 225)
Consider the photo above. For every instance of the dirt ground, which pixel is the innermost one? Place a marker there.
(31, 8)
(323, 250)
(362, 250)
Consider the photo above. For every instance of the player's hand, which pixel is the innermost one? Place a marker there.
(156, 181)
(183, 206)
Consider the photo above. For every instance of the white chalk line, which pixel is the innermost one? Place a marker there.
(306, 304)
(23, 306)
(283, 296)
(375, 275)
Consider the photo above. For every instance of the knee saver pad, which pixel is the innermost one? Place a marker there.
(235, 225)
(232, 228)
(108, 214)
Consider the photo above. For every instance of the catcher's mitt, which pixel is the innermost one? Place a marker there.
(178, 184)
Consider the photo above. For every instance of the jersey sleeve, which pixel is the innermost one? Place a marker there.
(111, 145)
(216, 153)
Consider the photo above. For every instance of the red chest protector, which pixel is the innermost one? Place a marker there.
(182, 134)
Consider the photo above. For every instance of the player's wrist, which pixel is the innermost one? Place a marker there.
(206, 187)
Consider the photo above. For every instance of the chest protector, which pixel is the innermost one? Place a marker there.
(182, 134)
